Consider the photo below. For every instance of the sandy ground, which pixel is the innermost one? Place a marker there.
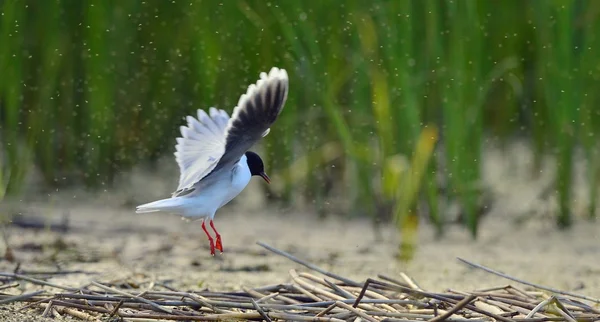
(517, 236)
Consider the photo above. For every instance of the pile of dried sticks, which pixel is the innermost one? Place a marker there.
(308, 297)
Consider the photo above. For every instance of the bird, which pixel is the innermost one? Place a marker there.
(213, 153)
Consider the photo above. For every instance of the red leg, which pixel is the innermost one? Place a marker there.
(210, 239)
(219, 244)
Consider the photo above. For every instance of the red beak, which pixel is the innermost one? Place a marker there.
(266, 177)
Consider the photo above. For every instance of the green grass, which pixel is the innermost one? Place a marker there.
(567, 64)
(11, 63)
(91, 89)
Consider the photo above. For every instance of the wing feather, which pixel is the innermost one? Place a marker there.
(254, 114)
(214, 140)
(201, 145)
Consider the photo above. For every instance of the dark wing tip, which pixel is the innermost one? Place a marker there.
(262, 103)
(255, 112)
(264, 100)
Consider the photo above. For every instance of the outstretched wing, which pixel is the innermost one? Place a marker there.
(200, 147)
(254, 114)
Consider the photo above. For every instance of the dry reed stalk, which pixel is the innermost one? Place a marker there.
(67, 311)
(307, 298)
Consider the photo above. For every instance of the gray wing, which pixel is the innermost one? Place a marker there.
(254, 114)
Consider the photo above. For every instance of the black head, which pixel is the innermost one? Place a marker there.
(256, 165)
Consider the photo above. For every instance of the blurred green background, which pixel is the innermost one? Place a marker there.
(89, 89)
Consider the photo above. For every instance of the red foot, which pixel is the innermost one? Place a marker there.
(219, 244)
(210, 240)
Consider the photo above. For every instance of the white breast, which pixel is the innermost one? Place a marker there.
(240, 177)
(208, 199)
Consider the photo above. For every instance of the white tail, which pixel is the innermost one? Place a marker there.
(169, 204)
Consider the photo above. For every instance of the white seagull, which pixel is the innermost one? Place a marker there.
(212, 154)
